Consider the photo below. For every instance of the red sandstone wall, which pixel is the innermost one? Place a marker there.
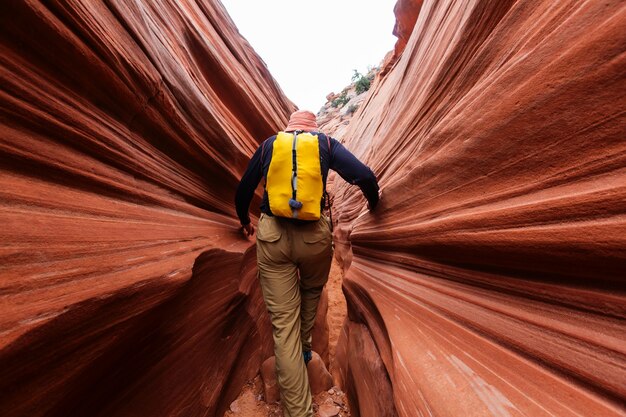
(492, 277)
(124, 287)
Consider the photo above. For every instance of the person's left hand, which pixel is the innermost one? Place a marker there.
(247, 230)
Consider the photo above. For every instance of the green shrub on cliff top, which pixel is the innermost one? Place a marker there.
(361, 82)
(341, 100)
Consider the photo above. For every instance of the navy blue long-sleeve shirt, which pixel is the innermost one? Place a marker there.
(337, 158)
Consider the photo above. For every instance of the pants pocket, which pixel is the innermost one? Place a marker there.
(269, 230)
(318, 232)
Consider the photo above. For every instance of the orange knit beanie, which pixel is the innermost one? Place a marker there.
(302, 120)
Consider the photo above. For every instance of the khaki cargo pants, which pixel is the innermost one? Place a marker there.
(294, 262)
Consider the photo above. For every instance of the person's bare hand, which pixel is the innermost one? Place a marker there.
(247, 230)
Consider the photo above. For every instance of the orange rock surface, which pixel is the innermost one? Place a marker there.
(489, 281)
(125, 288)
(491, 277)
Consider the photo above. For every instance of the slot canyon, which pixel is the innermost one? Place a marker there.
(489, 281)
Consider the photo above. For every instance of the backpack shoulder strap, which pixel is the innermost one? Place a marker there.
(328, 141)
(263, 150)
(262, 155)
(326, 195)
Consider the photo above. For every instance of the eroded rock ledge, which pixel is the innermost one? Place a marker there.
(490, 281)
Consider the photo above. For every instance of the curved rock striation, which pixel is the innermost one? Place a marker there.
(491, 278)
(125, 288)
(490, 281)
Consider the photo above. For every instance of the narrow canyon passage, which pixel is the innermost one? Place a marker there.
(253, 401)
(490, 281)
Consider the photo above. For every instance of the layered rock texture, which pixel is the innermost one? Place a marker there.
(335, 116)
(125, 288)
(491, 278)
(489, 281)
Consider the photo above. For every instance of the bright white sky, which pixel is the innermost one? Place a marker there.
(334, 36)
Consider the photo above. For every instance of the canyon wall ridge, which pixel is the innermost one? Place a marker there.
(490, 280)
(126, 288)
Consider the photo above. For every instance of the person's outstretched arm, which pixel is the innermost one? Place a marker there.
(246, 188)
(354, 171)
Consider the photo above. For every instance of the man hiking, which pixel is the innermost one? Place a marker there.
(294, 239)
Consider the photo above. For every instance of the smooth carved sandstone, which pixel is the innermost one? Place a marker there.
(491, 277)
(489, 281)
(357, 352)
(270, 381)
(406, 12)
(319, 378)
(125, 287)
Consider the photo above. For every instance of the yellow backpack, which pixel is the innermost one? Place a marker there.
(294, 182)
